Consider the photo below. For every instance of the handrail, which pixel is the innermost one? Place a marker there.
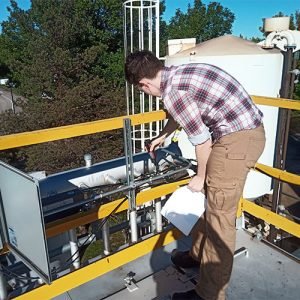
(278, 174)
(277, 102)
(69, 131)
(270, 217)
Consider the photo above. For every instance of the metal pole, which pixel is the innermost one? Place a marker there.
(105, 237)
(12, 99)
(158, 215)
(282, 135)
(74, 248)
(130, 179)
(3, 285)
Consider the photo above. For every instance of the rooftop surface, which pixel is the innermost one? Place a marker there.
(260, 272)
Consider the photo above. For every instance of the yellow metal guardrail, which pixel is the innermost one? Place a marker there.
(107, 264)
(69, 131)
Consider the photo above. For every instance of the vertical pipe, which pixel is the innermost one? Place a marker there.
(142, 25)
(125, 54)
(131, 50)
(88, 160)
(139, 28)
(158, 215)
(282, 135)
(131, 28)
(125, 31)
(150, 25)
(130, 180)
(3, 285)
(142, 109)
(150, 37)
(133, 226)
(105, 237)
(157, 28)
(12, 99)
(157, 16)
(74, 248)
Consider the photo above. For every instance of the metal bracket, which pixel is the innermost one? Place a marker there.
(241, 251)
(130, 282)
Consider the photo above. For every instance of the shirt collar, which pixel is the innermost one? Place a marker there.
(164, 79)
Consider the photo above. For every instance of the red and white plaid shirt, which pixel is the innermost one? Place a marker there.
(207, 102)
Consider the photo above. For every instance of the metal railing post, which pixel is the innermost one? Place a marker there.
(105, 237)
(3, 285)
(130, 180)
(74, 248)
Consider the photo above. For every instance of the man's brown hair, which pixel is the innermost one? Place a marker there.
(141, 64)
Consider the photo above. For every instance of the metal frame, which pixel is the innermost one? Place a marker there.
(143, 15)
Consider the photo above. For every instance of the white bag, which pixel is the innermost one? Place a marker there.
(184, 208)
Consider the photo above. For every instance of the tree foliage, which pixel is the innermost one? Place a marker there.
(201, 22)
(66, 59)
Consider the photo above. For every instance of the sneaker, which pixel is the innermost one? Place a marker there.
(182, 259)
(189, 295)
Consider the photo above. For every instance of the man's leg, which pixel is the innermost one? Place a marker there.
(229, 163)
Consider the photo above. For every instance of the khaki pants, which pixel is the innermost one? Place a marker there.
(214, 235)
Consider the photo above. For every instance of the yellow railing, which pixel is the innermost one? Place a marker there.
(107, 264)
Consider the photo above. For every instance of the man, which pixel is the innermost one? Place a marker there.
(225, 126)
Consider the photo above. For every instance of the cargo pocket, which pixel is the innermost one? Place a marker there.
(223, 195)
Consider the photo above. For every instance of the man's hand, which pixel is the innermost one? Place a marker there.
(156, 143)
(196, 184)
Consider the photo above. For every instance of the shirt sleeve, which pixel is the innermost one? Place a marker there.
(186, 113)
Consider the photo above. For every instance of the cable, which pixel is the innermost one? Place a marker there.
(103, 221)
(72, 258)
(15, 275)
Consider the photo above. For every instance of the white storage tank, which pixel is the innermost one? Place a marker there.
(260, 72)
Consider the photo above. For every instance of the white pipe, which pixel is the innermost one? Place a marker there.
(3, 285)
(150, 29)
(88, 160)
(131, 29)
(133, 226)
(157, 28)
(268, 42)
(274, 36)
(105, 237)
(74, 248)
(158, 215)
(289, 38)
(142, 26)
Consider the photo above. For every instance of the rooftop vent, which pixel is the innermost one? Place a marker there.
(276, 24)
(178, 45)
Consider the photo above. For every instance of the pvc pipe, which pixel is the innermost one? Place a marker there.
(74, 248)
(3, 285)
(105, 237)
(158, 215)
(133, 226)
(88, 160)
(287, 35)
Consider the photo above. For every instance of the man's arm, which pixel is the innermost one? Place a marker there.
(170, 127)
(202, 154)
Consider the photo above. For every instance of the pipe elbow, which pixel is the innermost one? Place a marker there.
(268, 43)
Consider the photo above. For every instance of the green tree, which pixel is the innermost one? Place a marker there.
(66, 58)
(201, 21)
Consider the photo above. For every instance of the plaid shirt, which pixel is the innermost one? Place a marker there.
(207, 102)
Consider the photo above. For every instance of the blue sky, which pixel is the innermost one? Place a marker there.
(248, 13)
